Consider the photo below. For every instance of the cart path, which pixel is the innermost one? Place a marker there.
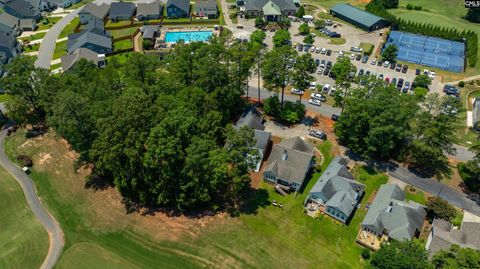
(54, 230)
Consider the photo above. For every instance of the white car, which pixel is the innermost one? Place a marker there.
(326, 88)
(332, 91)
(315, 102)
(318, 96)
(324, 51)
(340, 53)
(431, 74)
(374, 61)
(317, 50)
(312, 49)
(386, 64)
(312, 85)
(352, 56)
(320, 71)
(296, 91)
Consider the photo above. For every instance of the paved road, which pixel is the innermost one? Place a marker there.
(432, 186)
(49, 223)
(47, 47)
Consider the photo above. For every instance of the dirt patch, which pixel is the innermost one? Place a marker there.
(44, 157)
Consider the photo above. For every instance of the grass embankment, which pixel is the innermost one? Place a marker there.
(69, 29)
(23, 241)
(464, 135)
(51, 21)
(123, 44)
(123, 32)
(60, 50)
(99, 232)
(34, 37)
(416, 195)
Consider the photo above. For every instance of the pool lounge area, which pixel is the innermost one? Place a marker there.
(187, 36)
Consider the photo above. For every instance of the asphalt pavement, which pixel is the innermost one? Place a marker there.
(44, 217)
(469, 203)
(47, 47)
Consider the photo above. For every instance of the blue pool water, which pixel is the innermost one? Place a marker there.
(190, 36)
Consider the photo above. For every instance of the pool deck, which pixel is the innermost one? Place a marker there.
(161, 39)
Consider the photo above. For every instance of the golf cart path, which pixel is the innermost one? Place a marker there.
(54, 230)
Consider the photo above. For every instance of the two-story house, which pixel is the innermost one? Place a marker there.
(9, 48)
(92, 12)
(25, 12)
(206, 9)
(94, 39)
(9, 24)
(178, 9)
(149, 11)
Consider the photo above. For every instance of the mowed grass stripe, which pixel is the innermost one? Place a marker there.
(23, 240)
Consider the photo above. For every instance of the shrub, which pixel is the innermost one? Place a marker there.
(259, 22)
(469, 172)
(417, 7)
(292, 112)
(233, 15)
(461, 84)
(25, 160)
(366, 253)
(409, 6)
(439, 208)
(147, 44)
(271, 106)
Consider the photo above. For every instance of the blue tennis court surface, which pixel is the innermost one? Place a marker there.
(429, 51)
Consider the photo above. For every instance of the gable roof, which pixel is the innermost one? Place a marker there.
(93, 36)
(23, 8)
(8, 44)
(258, 5)
(181, 4)
(151, 8)
(444, 235)
(339, 187)
(389, 212)
(297, 162)
(121, 9)
(253, 119)
(361, 16)
(9, 20)
(69, 60)
(208, 4)
(271, 8)
(99, 11)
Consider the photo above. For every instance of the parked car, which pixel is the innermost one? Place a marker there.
(296, 91)
(332, 91)
(320, 70)
(379, 63)
(329, 52)
(404, 68)
(312, 49)
(386, 64)
(380, 76)
(318, 134)
(407, 85)
(398, 67)
(367, 73)
(393, 81)
(329, 63)
(317, 50)
(400, 83)
(335, 117)
(318, 96)
(361, 72)
(326, 88)
(306, 48)
(352, 56)
(312, 85)
(387, 79)
(315, 102)
(365, 59)
(335, 34)
(358, 57)
(323, 51)
(326, 71)
(340, 53)
(300, 47)
(392, 66)
(374, 61)
(417, 72)
(317, 62)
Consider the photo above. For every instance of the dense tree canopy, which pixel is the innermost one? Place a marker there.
(390, 53)
(156, 127)
(401, 255)
(473, 15)
(457, 258)
(281, 38)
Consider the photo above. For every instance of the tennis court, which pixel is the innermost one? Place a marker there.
(429, 51)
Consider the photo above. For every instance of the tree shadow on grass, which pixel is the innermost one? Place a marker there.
(255, 199)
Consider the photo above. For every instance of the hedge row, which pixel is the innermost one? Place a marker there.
(469, 37)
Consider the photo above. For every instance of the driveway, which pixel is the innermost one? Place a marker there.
(467, 202)
(49, 223)
(47, 47)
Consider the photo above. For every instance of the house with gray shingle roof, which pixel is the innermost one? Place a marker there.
(93, 11)
(253, 119)
(390, 215)
(69, 60)
(121, 11)
(9, 24)
(289, 163)
(206, 8)
(336, 193)
(271, 10)
(94, 39)
(443, 235)
(178, 9)
(149, 11)
(9, 48)
(22, 10)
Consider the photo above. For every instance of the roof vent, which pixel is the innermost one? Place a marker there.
(284, 155)
(389, 208)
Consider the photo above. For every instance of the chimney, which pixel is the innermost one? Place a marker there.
(284, 155)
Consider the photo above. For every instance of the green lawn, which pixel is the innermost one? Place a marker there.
(55, 66)
(34, 37)
(51, 22)
(23, 241)
(415, 195)
(69, 28)
(60, 50)
(120, 23)
(464, 135)
(123, 32)
(124, 44)
(99, 234)
(30, 48)
(79, 4)
(5, 97)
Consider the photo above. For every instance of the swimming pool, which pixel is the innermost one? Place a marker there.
(188, 36)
